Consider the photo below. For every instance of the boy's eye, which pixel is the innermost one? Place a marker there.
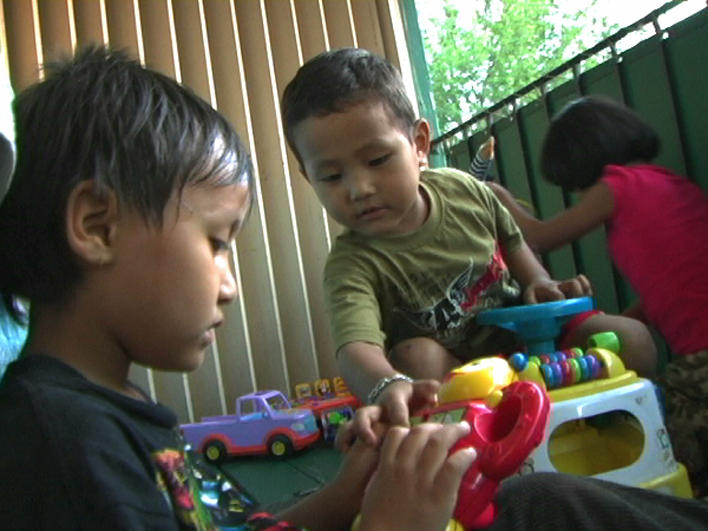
(329, 178)
(379, 160)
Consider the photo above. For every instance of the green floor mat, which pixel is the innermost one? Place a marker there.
(278, 483)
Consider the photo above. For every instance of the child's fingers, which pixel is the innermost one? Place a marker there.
(403, 492)
(363, 423)
(364, 458)
(394, 400)
(543, 293)
(576, 287)
(423, 448)
(551, 292)
(390, 446)
(529, 296)
(360, 426)
(435, 445)
(585, 285)
(571, 288)
(425, 393)
(451, 473)
(345, 437)
(398, 413)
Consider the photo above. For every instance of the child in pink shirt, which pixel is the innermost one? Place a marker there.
(657, 229)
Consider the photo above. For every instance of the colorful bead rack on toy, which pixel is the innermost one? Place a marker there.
(561, 368)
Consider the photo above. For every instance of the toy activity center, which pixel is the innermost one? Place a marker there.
(605, 421)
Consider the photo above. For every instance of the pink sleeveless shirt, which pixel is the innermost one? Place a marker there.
(658, 238)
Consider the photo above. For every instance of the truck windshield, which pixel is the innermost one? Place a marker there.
(277, 402)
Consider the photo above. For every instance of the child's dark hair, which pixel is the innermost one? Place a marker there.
(101, 116)
(334, 81)
(590, 133)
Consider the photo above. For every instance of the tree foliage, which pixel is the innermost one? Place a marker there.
(510, 43)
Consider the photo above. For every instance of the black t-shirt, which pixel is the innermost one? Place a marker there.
(75, 455)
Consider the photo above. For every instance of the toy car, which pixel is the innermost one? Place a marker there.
(264, 423)
(330, 408)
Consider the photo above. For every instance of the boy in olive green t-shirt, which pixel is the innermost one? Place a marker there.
(425, 249)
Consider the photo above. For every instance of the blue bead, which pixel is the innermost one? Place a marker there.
(557, 374)
(518, 361)
(547, 375)
(584, 369)
(593, 365)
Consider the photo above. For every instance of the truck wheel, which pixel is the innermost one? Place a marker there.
(214, 451)
(280, 446)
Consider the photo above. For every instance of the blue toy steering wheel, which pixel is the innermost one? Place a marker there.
(538, 325)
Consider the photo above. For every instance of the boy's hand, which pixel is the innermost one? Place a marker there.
(486, 150)
(393, 407)
(545, 290)
(360, 428)
(400, 398)
(415, 483)
(358, 464)
(578, 286)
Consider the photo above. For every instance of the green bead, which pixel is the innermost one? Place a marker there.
(606, 340)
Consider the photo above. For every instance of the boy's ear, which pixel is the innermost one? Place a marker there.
(421, 140)
(91, 222)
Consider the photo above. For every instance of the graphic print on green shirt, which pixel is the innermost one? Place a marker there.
(431, 282)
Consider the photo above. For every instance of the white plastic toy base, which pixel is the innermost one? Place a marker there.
(639, 399)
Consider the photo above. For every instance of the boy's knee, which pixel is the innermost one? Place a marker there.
(422, 357)
(638, 350)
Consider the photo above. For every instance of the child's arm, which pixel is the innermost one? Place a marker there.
(363, 365)
(594, 208)
(535, 281)
(336, 505)
(479, 167)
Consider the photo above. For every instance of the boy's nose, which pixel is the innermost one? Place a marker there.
(228, 290)
(361, 185)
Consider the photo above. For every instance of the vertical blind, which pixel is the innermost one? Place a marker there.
(238, 55)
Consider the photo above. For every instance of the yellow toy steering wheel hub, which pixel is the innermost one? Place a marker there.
(481, 379)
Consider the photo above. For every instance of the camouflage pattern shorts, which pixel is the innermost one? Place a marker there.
(685, 389)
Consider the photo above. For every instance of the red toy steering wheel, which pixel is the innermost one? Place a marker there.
(503, 437)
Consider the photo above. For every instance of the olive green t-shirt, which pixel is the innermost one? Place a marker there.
(431, 282)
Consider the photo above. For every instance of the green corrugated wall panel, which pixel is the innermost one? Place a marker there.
(603, 80)
(648, 91)
(510, 159)
(687, 55)
(591, 250)
(547, 199)
(458, 156)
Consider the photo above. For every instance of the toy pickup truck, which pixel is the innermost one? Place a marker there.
(264, 423)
